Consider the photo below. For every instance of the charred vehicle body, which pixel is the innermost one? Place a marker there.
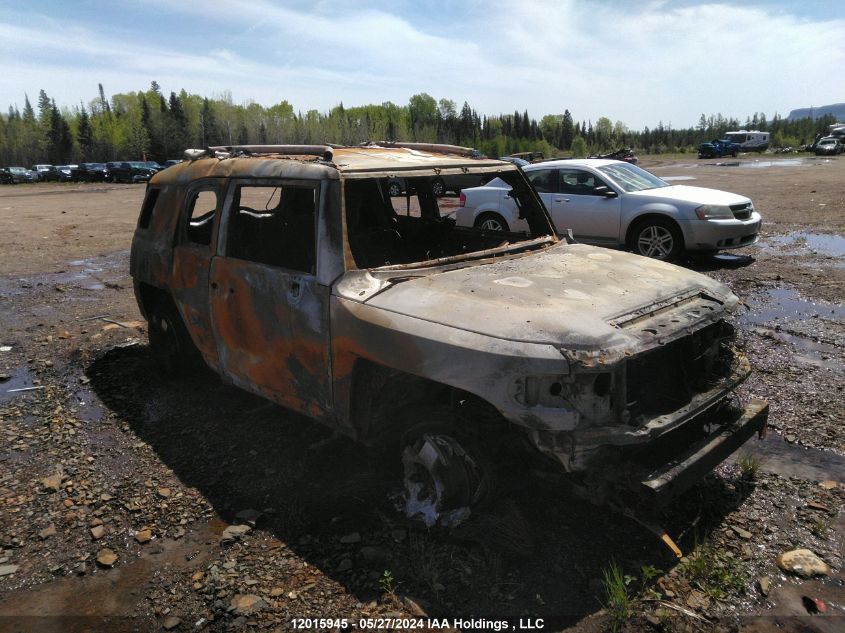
(293, 273)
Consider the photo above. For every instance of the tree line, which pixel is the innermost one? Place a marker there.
(148, 125)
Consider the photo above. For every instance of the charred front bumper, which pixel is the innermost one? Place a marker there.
(671, 479)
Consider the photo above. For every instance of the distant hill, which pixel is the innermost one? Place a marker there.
(836, 109)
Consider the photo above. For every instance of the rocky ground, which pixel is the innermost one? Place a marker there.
(129, 501)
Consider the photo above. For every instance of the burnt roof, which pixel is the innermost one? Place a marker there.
(308, 161)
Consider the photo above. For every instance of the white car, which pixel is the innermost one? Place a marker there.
(613, 203)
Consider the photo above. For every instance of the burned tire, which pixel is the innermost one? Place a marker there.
(170, 343)
(491, 222)
(445, 472)
(658, 238)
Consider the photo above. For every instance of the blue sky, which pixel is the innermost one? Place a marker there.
(635, 62)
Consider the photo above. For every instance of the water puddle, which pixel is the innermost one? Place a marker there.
(674, 178)
(19, 378)
(801, 243)
(785, 304)
(70, 603)
(760, 164)
(810, 352)
(88, 407)
(776, 455)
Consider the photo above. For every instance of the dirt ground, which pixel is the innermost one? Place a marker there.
(117, 486)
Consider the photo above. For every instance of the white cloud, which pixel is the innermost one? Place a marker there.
(639, 63)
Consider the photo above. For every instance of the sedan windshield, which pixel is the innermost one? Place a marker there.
(632, 178)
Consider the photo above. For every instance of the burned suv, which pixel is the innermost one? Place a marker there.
(293, 273)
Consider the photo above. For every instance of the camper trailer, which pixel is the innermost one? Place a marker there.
(753, 141)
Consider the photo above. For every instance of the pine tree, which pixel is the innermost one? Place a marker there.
(104, 105)
(85, 136)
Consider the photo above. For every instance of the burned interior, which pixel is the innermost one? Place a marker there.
(274, 225)
(388, 231)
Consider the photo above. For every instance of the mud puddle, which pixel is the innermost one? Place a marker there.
(95, 273)
(19, 383)
(810, 352)
(801, 243)
(790, 613)
(760, 164)
(785, 304)
(776, 455)
(104, 599)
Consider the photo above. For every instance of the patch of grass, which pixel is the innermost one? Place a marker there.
(819, 527)
(717, 573)
(618, 601)
(387, 582)
(650, 572)
(749, 466)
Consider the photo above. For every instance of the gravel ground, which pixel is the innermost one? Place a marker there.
(132, 502)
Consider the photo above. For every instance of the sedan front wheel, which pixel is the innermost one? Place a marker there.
(657, 238)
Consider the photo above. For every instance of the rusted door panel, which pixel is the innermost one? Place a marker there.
(271, 327)
(190, 284)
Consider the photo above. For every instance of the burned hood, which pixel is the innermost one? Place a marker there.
(573, 296)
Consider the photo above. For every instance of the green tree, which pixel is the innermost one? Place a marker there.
(85, 136)
(579, 147)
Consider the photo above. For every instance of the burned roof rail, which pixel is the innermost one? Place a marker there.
(427, 147)
(323, 151)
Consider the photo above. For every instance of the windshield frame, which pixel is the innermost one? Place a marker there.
(630, 178)
(542, 231)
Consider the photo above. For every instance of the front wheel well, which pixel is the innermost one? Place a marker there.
(646, 217)
(382, 396)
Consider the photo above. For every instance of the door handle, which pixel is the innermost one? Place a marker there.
(561, 199)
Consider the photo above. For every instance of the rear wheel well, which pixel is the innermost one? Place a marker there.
(149, 297)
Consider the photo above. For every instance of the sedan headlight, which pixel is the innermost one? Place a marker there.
(714, 212)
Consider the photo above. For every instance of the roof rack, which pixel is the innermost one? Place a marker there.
(427, 147)
(322, 151)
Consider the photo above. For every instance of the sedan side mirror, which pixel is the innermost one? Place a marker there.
(607, 192)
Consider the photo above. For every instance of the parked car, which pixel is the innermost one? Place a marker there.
(171, 162)
(64, 173)
(613, 203)
(129, 171)
(515, 160)
(91, 172)
(441, 185)
(288, 270)
(829, 146)
(151, 164)
(718, 148)
(22, 174)
(531, 157)
(47, 173)
(6, 176)
(626, 153)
